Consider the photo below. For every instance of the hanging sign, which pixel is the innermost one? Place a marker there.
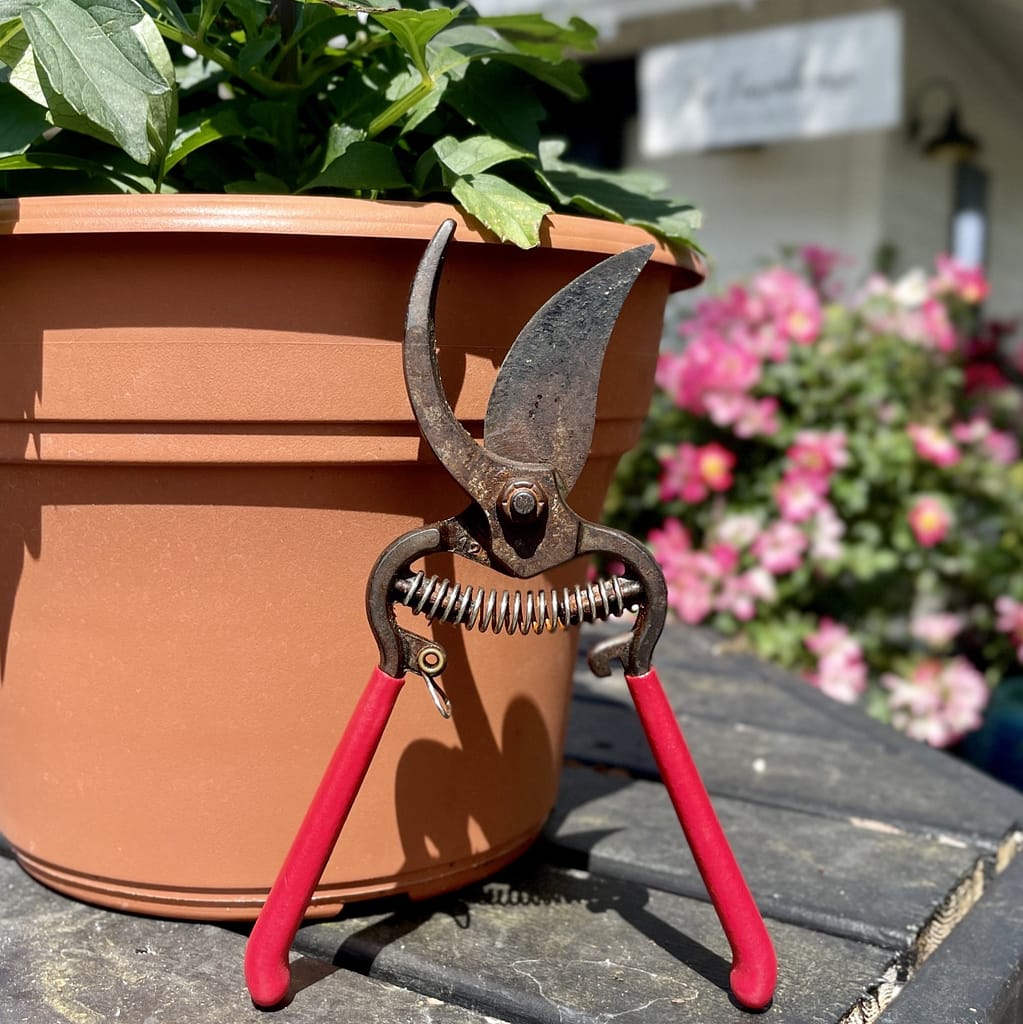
(796, 81)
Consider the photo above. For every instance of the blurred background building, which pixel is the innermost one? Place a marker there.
(891, 130)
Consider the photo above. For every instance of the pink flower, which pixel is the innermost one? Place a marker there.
(670, 367)
(1001, 447)
(724, 407)
(930, 520)
(819, 452)
(738, 594)
(670, 545)
(714, 463)
(726, 558)
(780, 547)
(936, 629)
(1010, 621)
(748, 416)
(842, 677)
(933, 444)
(758, 417)
(967, 283)
(830, 636)
(735, 598)
(690, 599)
(722, 313)
(766, 341)
(998, 445)
(841, 669)
(680, 477)
(691, 472)
(708, 365)
(917, 316)
(826, 533)
(800, 495)
(690, 574)
(938, 330)
(971, 431)
(939, 702)
(820, 263)
(792, 305)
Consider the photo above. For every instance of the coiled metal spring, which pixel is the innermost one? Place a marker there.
(515, 611)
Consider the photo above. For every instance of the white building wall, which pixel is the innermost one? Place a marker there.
(918, 193)
(824, 191)
(857, 192)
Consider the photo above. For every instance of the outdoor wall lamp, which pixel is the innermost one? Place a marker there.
(949, 142)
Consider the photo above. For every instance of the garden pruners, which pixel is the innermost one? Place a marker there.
(537, 433)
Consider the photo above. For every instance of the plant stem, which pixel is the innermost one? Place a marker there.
(15, 28)
(212, 53)
(287, 17)
(399, 108)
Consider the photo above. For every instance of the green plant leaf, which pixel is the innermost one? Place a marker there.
(339, 138)
(427, 172)
(566, 77)
(170, 10)
(467, 157)
(362, 166)
(465, 44)
(102, 69)
(64, 162)
(535, 35)
(606, 194)
(12, 10)
(414, 29)
(208, 11)
(491, 97)
(251, 13)
(21, 121)
(454, 49)
(513, 215)
(16, 53)
(365, 6)
(202, 130)
(254, 50)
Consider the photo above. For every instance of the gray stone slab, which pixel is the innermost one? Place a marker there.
(899, 782)
(62, 961)
(545, 945)
(853, 877)
(976, 974)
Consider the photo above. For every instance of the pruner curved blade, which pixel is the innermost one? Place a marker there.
(544, 399)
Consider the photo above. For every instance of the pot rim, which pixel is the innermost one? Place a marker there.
(318, 215)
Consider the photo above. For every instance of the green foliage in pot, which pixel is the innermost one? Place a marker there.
(419, 100)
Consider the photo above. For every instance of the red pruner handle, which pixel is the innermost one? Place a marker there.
(754, 966)
(267, 972)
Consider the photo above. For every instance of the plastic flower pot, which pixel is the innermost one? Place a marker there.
(206, 444)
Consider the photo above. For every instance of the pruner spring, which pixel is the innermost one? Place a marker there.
(536, 438)
(531, 611)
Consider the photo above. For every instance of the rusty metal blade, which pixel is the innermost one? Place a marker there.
(544, 400)
(465, 460)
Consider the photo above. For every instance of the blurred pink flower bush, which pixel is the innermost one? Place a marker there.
(838, 480)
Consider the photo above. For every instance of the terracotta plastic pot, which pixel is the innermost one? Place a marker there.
(204, 444)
